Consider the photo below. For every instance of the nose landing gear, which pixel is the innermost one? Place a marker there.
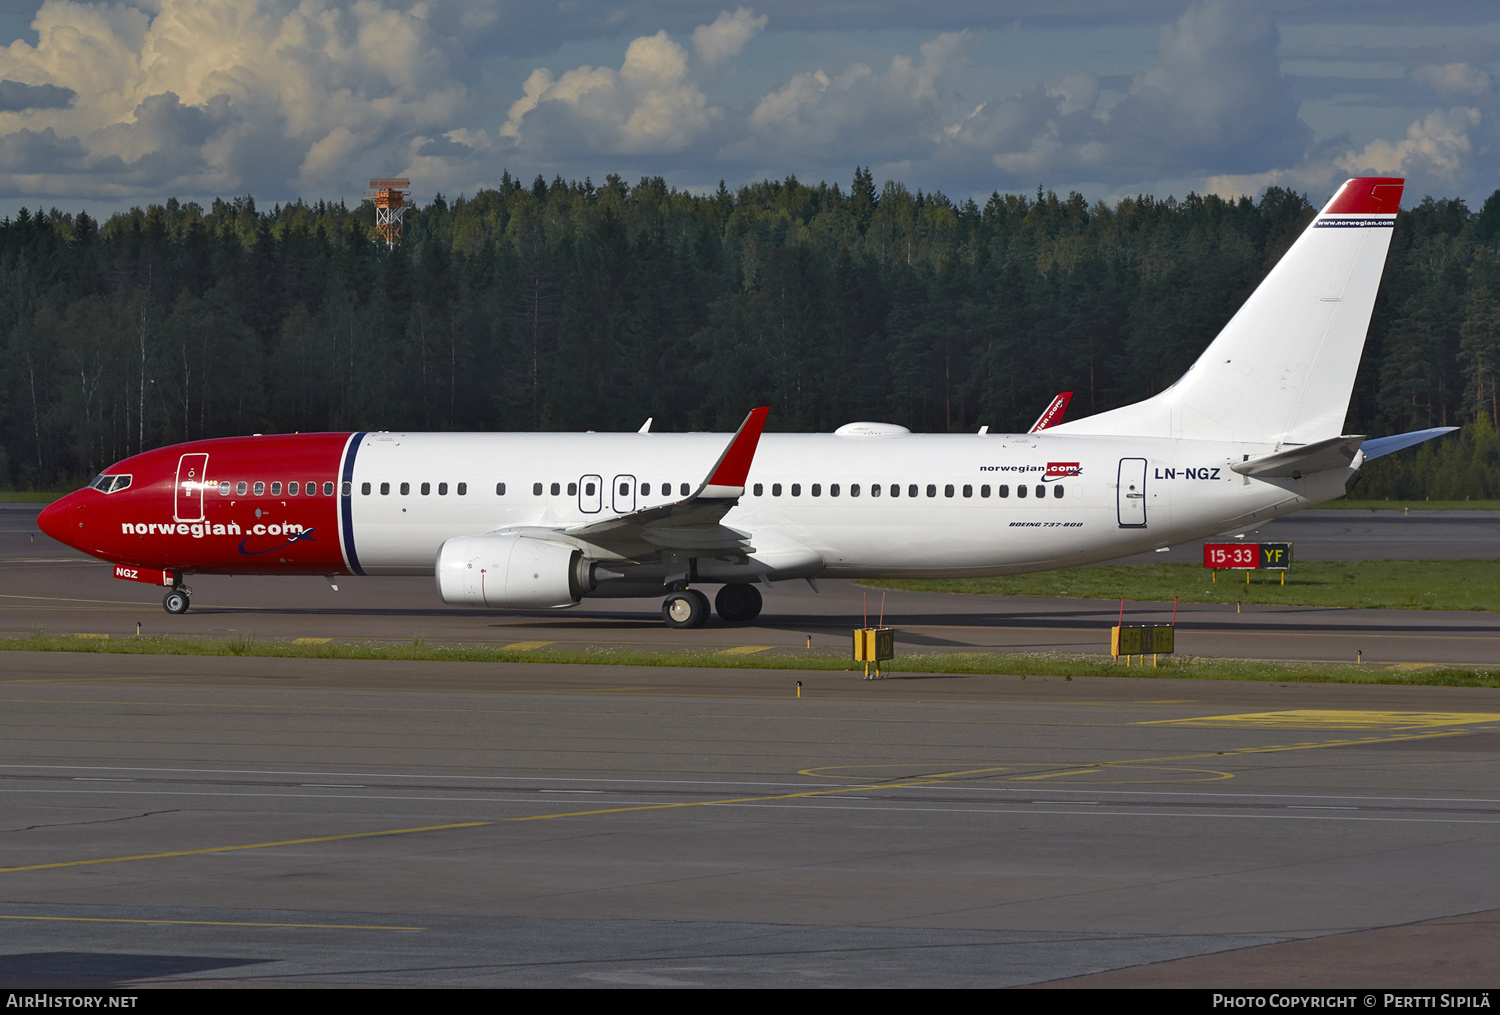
(178, 600)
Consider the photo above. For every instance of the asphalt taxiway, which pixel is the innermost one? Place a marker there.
(171, 820)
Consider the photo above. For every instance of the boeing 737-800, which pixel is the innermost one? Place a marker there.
(525, 521)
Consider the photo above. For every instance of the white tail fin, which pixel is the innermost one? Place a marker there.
(1282, 369)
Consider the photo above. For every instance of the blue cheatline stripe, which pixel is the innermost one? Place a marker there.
(1338, 223)
(346, 504)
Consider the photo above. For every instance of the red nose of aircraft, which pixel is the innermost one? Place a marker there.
(54, 518)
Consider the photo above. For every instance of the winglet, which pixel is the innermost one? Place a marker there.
(727, 478)
(1053, 414)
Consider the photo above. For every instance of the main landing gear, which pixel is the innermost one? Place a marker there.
(178, 600)
(736, 604)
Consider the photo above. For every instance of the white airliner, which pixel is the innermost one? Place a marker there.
(525, 521)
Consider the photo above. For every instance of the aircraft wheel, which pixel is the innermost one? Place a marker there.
(738, 604)
(175, 602)
(685, 609)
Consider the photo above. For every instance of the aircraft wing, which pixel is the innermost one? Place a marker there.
(692, 525)
(1053, 414)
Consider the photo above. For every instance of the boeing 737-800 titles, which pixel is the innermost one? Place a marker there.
(527, 521)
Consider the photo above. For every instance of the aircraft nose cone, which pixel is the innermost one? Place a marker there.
(53, 519)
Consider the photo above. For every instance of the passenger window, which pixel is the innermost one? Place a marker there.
(1020, 489)
(311, 489)
(1041, 491)
(968, 490)
(588, 489)
(984, 491)
(292, 488)
(536, 489)
(385, 489)
(931, 490)
(796, 489)
(817, 490)
(426, 489)
(572, 489)
(348, 488)
(1003, 490)
(947, 491)
(775, 489)
(1057, 491)
(405, 489)
(624, 489)
(260, 489)
(499, 489)
(275, 489)
(442, 489)
(328, 488)
(463, 489)
(364, 489)
(224, 489)
(556, 489)
(911, 491)
(645, 490)
(684, 489)
(758, 489)
(833, 489)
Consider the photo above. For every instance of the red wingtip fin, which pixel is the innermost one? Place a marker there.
(1367, 195)
(734, 466)
(1053, 414)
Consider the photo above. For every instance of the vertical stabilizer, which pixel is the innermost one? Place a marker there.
(1283, 368)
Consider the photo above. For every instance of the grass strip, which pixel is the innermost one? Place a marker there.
(1022, 664)
(1368, 584)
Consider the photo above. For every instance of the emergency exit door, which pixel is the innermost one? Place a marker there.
(1132, 493)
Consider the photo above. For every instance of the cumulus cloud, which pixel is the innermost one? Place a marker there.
(727, 35)
(653, 104)
(896, 112)
(223, 95)
(1216, 99)
(1437, 146)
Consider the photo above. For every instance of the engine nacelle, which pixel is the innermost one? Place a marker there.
(514, 572)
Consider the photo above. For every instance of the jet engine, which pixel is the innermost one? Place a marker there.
(510, 571)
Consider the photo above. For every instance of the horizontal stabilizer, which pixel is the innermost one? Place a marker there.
(1334, 453)
(1385, 445)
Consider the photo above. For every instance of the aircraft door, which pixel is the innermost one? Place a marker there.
(623, 491)
(1132, 493)
(590, 494)
(192, 470)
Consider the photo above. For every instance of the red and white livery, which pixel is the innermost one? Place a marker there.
(545, 520)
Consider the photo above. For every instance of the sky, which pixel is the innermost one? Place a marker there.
(105, 106)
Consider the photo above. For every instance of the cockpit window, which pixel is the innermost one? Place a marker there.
(110, 484)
